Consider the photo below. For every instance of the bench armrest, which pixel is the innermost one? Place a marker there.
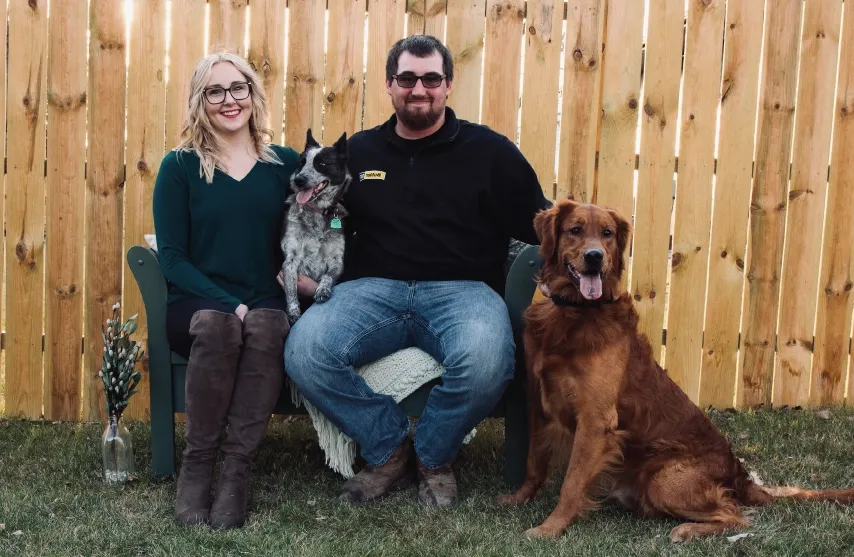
(145, 267)
(520, 286)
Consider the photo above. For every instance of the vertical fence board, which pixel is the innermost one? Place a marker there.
(25, 190)
(540, 88)
(186, 47)
(4, 396)
(304, 95)
(227, 28)
(143, 153)
(807, 192)
(768, 202)
(66, 156)
(689, 261)
(104, 188)
(267, 57)
(580, 113)
(344, 63)
(434, 18)
(621, 80)
(835, 300)
(502, 65)
(742, 45)
(465, 41)
(657, 160)
(385, 27)
(415, 17)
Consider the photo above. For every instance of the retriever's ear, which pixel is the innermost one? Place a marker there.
(624, 231)
(547, 226)
(544, 225)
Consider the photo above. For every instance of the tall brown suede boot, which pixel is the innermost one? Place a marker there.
(259, 382)
(210, 380)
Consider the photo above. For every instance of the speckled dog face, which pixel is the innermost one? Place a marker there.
(321, 171)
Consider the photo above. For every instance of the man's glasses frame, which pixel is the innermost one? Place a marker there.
(408, 80)
(212, 94)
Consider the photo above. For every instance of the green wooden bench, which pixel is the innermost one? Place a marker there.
(167, 370)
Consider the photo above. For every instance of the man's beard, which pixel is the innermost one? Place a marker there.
(418, 119)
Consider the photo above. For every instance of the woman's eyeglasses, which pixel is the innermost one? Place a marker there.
(408, 80)
(239, 91)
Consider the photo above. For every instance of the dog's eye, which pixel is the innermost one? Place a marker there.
(607, 233)
(575, 230)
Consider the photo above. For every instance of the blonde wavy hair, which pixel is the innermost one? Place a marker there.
(199, 136)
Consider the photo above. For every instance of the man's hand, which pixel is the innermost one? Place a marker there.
(305, 286)
(241, 311)
(545, 290)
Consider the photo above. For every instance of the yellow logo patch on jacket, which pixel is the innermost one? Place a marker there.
(371, 175)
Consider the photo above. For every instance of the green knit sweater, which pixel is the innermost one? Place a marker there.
(220, 241)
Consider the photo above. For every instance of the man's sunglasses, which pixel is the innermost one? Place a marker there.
(408, 80)
(216, 95)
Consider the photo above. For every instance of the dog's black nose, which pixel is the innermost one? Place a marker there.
(299, 180)
(594, 257)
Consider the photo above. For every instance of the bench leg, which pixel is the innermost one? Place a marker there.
(515, 435)
(162, 435)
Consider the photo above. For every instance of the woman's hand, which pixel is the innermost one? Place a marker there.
(305, 285)
(241, 311)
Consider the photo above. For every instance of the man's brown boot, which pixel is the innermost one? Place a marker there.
(375, 481)
(211, 369)
(437, 487)
(257, 388)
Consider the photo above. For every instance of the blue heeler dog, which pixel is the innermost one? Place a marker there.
(313, 243)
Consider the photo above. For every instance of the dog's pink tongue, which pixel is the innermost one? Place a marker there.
(591, 286)
(303, 197)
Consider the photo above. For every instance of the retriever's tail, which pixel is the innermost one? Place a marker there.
(759, 495)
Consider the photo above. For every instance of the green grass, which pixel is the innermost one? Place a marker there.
(52, 493)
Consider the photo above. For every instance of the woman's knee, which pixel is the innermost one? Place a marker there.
(216, 329)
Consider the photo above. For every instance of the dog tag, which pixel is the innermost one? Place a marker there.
(335, 223)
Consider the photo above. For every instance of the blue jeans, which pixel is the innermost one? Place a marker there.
(462, 324)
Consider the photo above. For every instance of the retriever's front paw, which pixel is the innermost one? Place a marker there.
(322, 294)
(543, 532)
(512, 500)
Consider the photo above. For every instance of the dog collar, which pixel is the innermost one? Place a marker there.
(563, 301)
(333, 212)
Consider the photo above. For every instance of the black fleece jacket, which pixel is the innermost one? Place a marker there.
(439, 208)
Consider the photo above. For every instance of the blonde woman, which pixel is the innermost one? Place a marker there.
(219, 204)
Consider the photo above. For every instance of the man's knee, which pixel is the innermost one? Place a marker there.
(307, 349)
(484, 355)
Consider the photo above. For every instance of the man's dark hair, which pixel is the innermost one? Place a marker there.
(420, 46)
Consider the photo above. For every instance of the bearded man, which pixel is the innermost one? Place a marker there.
(432, 207)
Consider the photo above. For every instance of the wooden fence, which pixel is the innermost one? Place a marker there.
(724, 127)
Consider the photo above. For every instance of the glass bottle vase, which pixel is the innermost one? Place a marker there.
(117, 452)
